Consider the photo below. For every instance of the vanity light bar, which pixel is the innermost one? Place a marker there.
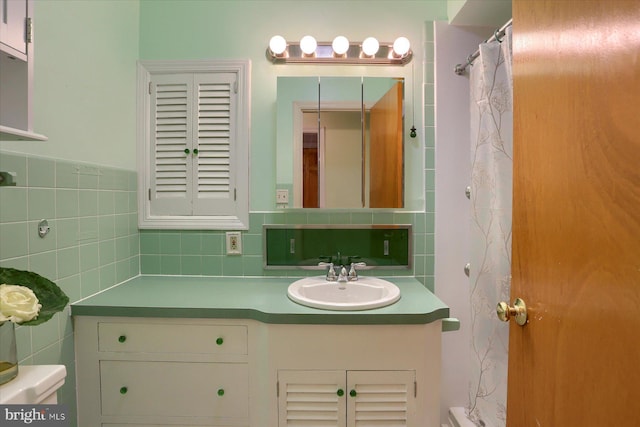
(283, 52)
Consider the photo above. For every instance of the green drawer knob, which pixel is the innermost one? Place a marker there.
(122, 338)
(352, 393)
(220, 392)
(123, 390)
(219, 341)
(340, 392)
(186, 151)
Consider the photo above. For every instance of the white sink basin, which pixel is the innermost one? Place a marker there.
(362, 294)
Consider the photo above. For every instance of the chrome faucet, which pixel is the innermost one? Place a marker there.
(353, 274)
(331, 273)
(343, 277)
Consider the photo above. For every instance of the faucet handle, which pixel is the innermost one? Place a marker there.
(353, 274)
(331, 273)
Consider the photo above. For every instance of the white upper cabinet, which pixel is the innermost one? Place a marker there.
(16, 71)
(14, 27)
(193, 131)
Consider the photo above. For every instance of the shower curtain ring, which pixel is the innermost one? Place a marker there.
(495, 34)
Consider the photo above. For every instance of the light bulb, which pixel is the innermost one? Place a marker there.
(340, 45)
(308, 45)
(401, 46)
(370, 46)
(277, 45)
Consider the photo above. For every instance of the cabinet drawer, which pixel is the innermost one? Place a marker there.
(174, 389)
(172, 338)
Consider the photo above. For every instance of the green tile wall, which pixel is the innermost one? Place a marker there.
(93, 243)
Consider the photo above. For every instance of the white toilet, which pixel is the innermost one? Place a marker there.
(37, 385)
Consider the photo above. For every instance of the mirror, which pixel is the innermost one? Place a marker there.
(340, 142)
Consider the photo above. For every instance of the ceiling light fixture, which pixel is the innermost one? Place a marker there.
(339, 51)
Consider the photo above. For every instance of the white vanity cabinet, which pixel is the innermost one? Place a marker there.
(156, 372)
(347, 375)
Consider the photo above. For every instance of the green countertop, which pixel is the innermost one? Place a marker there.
(259, 298)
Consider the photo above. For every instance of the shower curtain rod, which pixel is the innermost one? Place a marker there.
(460, 68)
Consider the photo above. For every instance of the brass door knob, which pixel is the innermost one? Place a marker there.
(518, 311)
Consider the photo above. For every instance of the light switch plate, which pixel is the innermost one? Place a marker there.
(282, 196)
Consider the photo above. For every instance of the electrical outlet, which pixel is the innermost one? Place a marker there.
(234, 243)
(282, 196)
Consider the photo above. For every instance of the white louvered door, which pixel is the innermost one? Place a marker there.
(192, 128)
(381, 398)
(193, 144)
(311, 398)
(347, 398)
(215, 112)
(171, 144)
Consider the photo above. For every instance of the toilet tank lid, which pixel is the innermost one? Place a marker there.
(32, 384)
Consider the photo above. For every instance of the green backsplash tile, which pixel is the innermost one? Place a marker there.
(149, 242)
(107, 250)
(89, 282)
(150, 264)
(191, 243)
(68, 262)
(212, 243)
(122, 248)
(170, 243)
(88, 203)
(191, 265)
(23, 342)
(430, 158)
(66, 232)
(13, 204)
(212, 265)
(252, 244)
(71, 286)
(170, 264)
(252, 265)
(14, 241)
(232, 265)
(67, 203)
(121, 225)
(107, 276)
(106, 204)
(88, 176)
(66, 175)
(88, 230)
(89, 256)
(16, 164)
(41, 173)
(340, 218)
(42, 244)
(123, 270)
(106, 227)
(361, 218)
(45, 264)
(41, 203)
(121, 202)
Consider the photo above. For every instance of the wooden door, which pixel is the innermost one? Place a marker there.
(576, 214)
(310, 171)
(386, 151)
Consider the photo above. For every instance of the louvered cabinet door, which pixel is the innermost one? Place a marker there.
(171, 144)
(381, 398)
(215, 142)
(311, 398)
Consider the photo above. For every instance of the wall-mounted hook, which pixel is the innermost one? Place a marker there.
(43, 228)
